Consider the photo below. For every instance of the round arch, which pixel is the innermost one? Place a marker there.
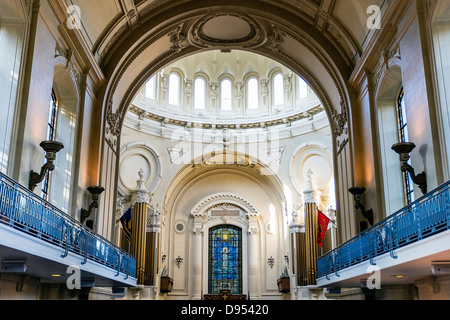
(280, 35)
(190, 199)
(387, 93)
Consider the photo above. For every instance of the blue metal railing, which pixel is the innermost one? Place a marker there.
(21, 209)
(423, 218)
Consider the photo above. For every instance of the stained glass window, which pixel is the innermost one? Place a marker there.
(225, 259)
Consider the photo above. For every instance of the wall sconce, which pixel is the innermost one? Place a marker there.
(95, 192)
(179, 261)
(51, 148)
(163, 258)
(271, 262)
(357, 192)
(404, 149)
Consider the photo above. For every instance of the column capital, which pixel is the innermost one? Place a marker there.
(198, 228)
(252, 224)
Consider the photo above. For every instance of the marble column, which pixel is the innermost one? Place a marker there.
(197, 253)
(139, 210)
(297, 248)
(253, 257)
(152, 246)
(311, 227)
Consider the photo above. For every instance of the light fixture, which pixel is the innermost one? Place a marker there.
(357, 193)
(95, 192)
(13, 266)
(179, 261)
(440, 267)
(271, 261)
(51, 148)
(404, 149)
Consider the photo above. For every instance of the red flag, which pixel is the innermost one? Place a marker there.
(323, 222)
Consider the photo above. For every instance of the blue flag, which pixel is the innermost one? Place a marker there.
(126, 223)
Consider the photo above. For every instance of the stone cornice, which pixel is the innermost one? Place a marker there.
(378, 42)
(215, 199)
(234, 124)
(77, 42)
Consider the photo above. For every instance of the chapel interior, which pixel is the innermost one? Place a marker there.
(212, 150)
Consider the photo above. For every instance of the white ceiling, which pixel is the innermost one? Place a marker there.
(104, 21)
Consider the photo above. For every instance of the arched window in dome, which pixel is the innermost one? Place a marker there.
(226, 94)
(174, 89)
(278, 89)
(252, 94)
(150, 88)
(302, 88)
(199, 93)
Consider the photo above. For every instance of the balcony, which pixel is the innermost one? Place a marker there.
(403, 246)
(49, 241)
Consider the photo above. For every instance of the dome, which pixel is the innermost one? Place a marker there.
(226, 90)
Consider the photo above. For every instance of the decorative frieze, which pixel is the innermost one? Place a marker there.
(113, 121)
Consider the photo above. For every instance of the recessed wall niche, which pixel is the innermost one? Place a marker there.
(136, 156)
(313, 162)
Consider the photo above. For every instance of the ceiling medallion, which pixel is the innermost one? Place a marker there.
(226, 31)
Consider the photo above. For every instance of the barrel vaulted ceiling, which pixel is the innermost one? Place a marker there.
(104, 22)
(321, 40)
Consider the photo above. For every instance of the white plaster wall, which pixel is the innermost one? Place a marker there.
(275, 197)
(41, 84)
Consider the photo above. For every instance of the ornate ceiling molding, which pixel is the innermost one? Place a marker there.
(191, 35)
(166, 120)
(242, 32)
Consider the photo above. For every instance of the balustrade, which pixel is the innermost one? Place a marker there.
(421, 219)
(25, 211)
